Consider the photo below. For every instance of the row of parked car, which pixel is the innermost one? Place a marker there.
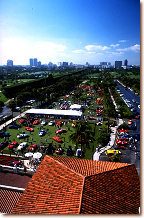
(132, 105)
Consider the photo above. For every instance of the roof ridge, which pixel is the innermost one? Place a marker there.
(81, 196)
(66, 166)
(129, 165)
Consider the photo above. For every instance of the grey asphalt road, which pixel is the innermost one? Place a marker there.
(128, 156)
(129, 95)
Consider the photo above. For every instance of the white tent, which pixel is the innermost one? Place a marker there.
(75, 106)
(37, 155)
(54, 112)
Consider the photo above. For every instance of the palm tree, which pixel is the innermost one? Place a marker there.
(82, 135)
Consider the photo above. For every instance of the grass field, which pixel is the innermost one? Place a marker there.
(3, 98)
(34, 138)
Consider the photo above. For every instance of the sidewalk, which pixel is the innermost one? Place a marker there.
(10, 121)
(112, 136)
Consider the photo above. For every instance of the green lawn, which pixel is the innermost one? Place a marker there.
(3, 98)
(45, 140)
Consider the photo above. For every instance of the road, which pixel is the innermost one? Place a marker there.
(129, 95)
(128, 155)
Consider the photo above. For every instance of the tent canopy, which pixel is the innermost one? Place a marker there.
(54, 112)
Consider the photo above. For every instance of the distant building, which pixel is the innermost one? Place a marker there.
(65, 64)
(125, 62)
(35, 62)
(118, 64)
(39, 63)
(31, 62)
(9, 63)
(103, 63)
(50, 64)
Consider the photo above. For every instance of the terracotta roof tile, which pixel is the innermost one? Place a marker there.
(71, 186)
(53, 189)
(112, 192)
(8, 200)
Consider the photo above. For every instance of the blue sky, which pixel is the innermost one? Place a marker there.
(77, 31)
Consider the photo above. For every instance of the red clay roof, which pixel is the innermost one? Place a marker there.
(8, 199)
(64, 185)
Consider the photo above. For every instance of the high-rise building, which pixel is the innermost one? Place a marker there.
(31, 62)
(35, 62)
(50, 64)
(125, 62)
(65, 64)
(9, 63)
(103, 63)
(39, 63)
(118, 64)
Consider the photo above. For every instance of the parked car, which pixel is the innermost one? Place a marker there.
(137, 116)
(59, 150)
(121, 147)
(57, 139)
(130, 122)
(13, 145)
(44, 122)
(22, 136)
(59, 123)
(33, 147)
(17, 163)
(61, 131)
(42, 132)
(112, 152)
(121, 142)
(22, 146)
(36, 122)
(74, 124)
(13, 126)
(4, 134)
(122, 130)
(29, 129)
(22, 121)
(51, 123)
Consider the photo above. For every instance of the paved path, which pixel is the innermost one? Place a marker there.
(112, 136)
(10, 121)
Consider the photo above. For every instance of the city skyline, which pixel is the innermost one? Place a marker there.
(78, 31)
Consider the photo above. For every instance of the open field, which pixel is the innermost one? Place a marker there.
(45, 140)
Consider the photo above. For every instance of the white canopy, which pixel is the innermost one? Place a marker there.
(75, 106)
(54, 112)
(37, 155)
(29, 154)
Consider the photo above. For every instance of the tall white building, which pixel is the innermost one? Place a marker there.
(9, 63)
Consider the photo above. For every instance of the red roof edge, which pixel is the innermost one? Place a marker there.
(65, 166)
(81, 196)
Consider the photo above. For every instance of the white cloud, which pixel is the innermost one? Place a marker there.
(114, 45)
(92, 52)
(96, 47)
(50, 46)
(123, 40)
(20, 50)
(114, 53)
(134, 48)
(78, 51)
